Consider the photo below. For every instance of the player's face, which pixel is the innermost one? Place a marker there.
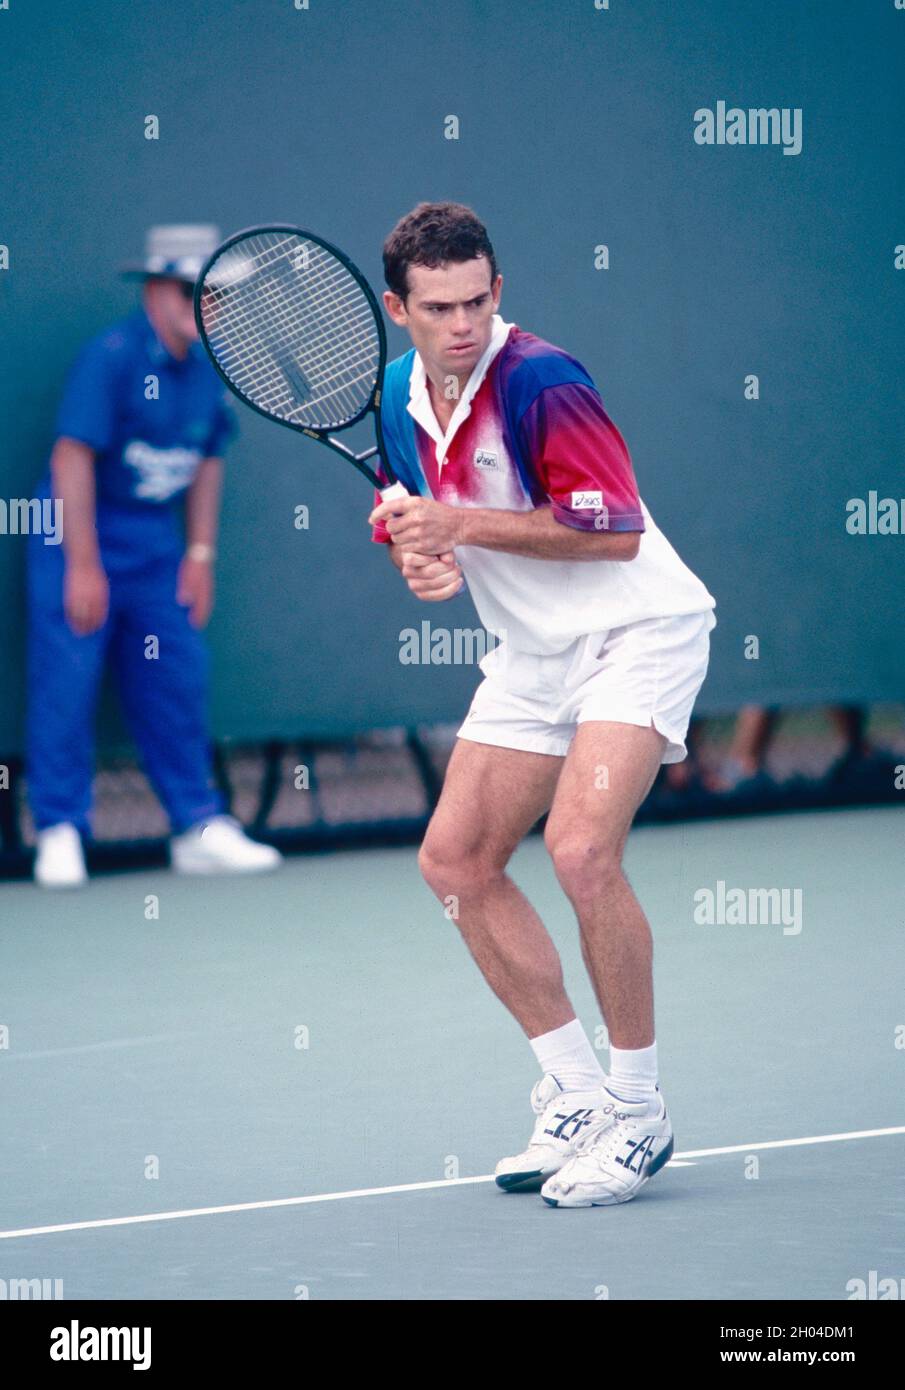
(448, 314)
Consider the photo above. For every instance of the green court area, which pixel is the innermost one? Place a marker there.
(305, 1083)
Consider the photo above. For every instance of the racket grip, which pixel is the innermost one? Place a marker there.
(389, 494)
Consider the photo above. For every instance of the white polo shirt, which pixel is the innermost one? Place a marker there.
(530, 430)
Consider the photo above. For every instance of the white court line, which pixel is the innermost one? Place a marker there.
(109, 1045)
(405, 1187)
(793, 1143)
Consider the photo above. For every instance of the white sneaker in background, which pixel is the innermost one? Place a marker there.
(220, 846)
(60, 860)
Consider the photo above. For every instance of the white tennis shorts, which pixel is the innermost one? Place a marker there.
(646, 673)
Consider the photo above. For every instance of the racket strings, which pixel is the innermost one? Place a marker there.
(333, 362)
(335, 302)
(254, 352)
(316, 348)
(292, 329)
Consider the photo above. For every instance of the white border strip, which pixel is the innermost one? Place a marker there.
(407, 1187)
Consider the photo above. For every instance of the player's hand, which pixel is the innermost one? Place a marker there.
(86, 597)
(195, 590)
(432, 578)
(420, 524)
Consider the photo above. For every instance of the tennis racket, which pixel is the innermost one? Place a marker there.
(295, 331)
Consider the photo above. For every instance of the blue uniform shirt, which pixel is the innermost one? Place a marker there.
(149, 437)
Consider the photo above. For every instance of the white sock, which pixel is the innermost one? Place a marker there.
(633, 1072)
(567, 1054)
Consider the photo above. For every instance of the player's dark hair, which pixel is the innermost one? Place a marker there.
(433, 234)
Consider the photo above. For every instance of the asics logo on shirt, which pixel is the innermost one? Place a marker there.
(487, 459)
(570, 1125)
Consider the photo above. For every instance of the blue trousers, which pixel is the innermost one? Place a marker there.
(164, 698)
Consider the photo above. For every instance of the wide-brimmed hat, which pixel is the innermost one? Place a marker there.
(175, 252)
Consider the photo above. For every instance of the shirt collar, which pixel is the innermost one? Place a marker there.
(419, 403)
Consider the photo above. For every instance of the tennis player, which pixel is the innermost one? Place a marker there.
(527, 491)
(141, 427)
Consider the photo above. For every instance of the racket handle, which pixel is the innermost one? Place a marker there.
(389, 494)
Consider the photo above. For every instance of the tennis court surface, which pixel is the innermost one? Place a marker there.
(304, 1083)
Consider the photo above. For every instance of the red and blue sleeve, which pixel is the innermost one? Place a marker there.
(581, 460)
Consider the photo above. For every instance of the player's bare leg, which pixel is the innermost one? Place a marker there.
(608, 772)
(609, 769)
(492, 797)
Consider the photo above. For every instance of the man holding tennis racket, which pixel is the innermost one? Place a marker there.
(526, 489)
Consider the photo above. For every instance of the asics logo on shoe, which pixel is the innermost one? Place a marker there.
(578, 1120)
(635, 1152)
(610, 1109)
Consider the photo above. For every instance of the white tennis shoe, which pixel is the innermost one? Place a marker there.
(619, 1151)
(220, 846)
(60, 860)
(561, 1117)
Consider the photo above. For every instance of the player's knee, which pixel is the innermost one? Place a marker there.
(584, 865)
(451, 869)
(438, 862)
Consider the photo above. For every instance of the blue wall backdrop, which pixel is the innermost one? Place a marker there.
(576, 130)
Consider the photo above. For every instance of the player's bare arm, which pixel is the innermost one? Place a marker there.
(429, 527)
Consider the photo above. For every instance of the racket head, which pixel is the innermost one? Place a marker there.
(292, 327)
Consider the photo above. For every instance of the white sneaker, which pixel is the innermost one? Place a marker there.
(621, 1150)
(220, 846)
(562, 1115)
(60, 860)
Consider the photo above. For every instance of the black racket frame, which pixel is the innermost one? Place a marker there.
(358, 460)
